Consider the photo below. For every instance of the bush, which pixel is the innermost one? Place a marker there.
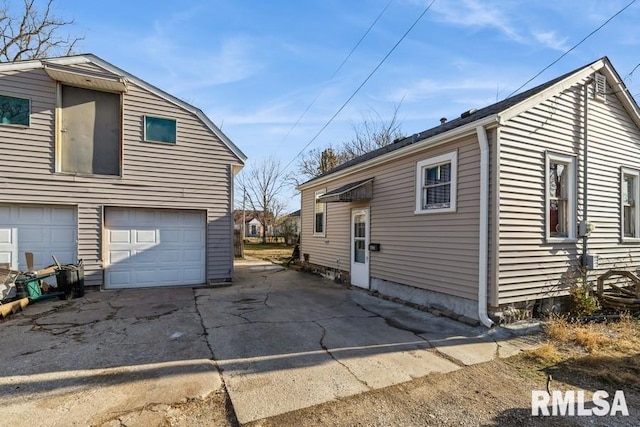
(582, 301)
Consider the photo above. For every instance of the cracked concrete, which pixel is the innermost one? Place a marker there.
(274, 342)
(285, 340)
(84, 361)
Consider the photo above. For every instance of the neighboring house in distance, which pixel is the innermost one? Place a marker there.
(100, 165)
(289, 227)
(490, 209)
(253, 227)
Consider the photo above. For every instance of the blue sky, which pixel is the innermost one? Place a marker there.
(254, 66)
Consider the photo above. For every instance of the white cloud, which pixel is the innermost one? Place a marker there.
(428, 88)
(551, 40)
(475, 13)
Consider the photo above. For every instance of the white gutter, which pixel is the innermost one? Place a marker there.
(483, 258)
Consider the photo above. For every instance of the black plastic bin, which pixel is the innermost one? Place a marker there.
(70, 280)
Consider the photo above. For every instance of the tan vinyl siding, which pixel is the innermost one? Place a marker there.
(529, 267)
(438, 252)
(192, 174)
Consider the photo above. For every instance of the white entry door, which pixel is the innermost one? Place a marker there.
(360, 247)
(154, 247)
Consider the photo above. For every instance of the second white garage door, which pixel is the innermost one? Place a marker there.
(154, 247)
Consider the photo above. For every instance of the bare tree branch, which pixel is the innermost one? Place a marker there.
(373, 133)
(263, 185)
(30, 33)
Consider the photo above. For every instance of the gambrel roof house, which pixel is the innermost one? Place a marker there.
(499, 207)
(101, 166)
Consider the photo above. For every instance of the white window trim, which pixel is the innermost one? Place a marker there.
(324, 217)
(452, 158)
(635, 173)
(570, 161)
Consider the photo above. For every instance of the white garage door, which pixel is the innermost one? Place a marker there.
(43, 230)
(154, 247)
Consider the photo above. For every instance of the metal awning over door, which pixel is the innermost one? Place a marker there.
(359, 190)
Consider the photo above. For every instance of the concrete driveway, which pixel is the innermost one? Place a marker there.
(275, 341)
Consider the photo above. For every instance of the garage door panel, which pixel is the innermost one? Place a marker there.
(40, 229)
(5, 214)
(118, 236)
(193, 236)
(146, 236)
(31, 215)
(63, 216)
(146, 277)
(116, 256)
(169, 255)
(120, 279)
(161, 245)
(194, 275)
(171, 276)
(171, 237)
(6, 236)
(193, 256)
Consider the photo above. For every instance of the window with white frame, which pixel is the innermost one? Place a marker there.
(630, 195)
(319, 216)
(561, 196)
(436, 184)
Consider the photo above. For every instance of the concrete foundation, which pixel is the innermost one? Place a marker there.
(431, 299)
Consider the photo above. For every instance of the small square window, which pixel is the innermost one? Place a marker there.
(15, 111)
(436, 184)
(159, 129)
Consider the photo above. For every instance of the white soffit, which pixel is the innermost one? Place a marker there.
(86, 78)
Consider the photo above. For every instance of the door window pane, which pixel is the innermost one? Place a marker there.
(359, 251)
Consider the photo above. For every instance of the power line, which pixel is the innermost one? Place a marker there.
(631, 72)
(344, 61)
(363, 83)
(572, 48)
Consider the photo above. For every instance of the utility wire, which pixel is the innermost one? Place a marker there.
(338, 69)
(572, 48)
(363, 83)
(631, 72)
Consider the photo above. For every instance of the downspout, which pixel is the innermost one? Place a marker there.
(483, 258)
(585, 158)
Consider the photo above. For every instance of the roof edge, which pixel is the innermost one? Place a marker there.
(442, 138)
(91, 58)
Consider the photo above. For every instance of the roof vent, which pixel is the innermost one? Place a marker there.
(468, 113)
(443, 120)
(600, 87)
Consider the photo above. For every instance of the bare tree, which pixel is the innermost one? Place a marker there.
(373, 133)
(33, 33)
(263, 185)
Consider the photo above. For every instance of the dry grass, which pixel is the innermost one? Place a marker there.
(608, 352)
(621, 336)
(274, 252)
(546, 354)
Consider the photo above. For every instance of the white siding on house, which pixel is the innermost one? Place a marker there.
(529, 267)
(192, 174)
